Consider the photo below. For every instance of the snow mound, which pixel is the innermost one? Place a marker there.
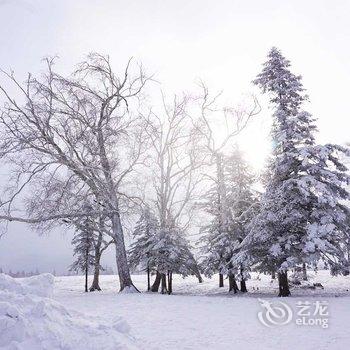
(41, 285)
(30, 321)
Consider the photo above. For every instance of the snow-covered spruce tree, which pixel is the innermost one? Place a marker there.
(83, 242)
(340, 263)
(217, 239)
(97, 222)
(301, 218)
(243, 203)
(231, 205)
(140, 250)
(170, 253)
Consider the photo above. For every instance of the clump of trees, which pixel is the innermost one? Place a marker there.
(162, 252)
(94, 137)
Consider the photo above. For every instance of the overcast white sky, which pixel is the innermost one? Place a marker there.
(222, 42)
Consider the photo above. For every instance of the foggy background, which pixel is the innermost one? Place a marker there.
(222, 42)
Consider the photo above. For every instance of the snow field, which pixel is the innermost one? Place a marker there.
(38, 314)
(205, 317)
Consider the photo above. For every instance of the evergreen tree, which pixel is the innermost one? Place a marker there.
(83, 242)
(243, 202)
(164, 250)
(301, 218)
(340, 262)
(227, 230)
(170, 253)
(216, 240)
(144, 232)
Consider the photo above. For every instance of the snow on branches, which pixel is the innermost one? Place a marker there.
(302, 217)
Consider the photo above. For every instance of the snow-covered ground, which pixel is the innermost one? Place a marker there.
(203, 316)
(197, 316)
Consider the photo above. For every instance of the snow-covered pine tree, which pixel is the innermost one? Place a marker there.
(243, 203)
(83, 242)
(227, 230)
(340, 263)
(139, 253)
(164, 256)
(171, 253)
(301, 218)
(191, 263)
(216, 238)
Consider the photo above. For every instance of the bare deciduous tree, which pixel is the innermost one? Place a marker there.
(175, 162)
(175, 159)
(81, 127)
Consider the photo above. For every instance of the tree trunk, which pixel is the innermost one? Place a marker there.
(125, 281)
(197, 274)
(95, 283)
(232, 283)
(170, 282)
(156, 283)
(283, 284)
(163, 279)
(304, 272)
(221, 280)
(121, 258)
(148, 279)
(86, 278)
(243, 284)
(222, 201)
(273, 274)
(98, 253)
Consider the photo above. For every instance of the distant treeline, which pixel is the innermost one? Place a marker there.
(107, 270)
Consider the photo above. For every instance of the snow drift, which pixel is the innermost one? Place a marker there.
(30, 320)
(41, 285)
